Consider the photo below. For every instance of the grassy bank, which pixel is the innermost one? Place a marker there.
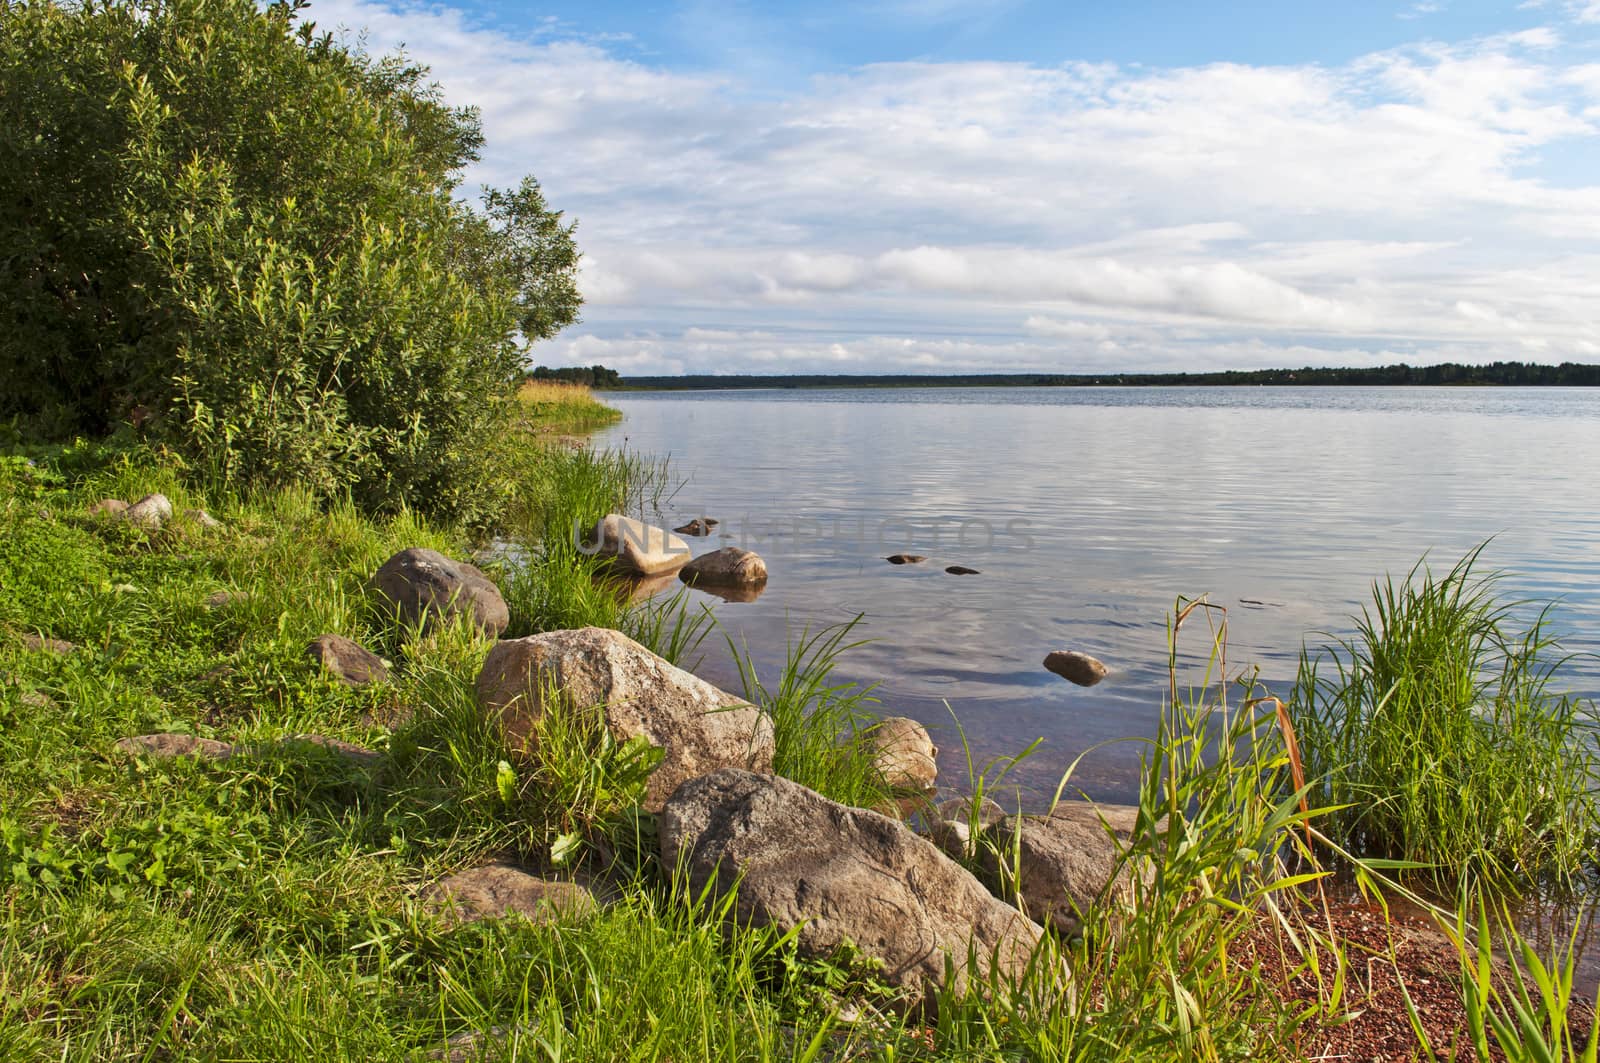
(269, 906)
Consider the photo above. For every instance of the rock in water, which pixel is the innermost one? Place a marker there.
(424, 585)
(699, 527)
(962, 570)
(905, 559)
(905, 754)
(697, 727)
(1076, 667)
(149, 513)
(729, 566)
(638, 547)
(832, 874)
(347, 660)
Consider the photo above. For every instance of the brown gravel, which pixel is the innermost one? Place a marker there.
(1381, 950)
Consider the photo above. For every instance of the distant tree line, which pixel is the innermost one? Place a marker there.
(1518, 374)
(593, 376)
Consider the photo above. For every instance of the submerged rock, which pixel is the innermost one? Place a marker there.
(697, 727)
(729, 566)
(699, 527)
(1076, 667)
(424, 586)
(962, 570)
(833, 875)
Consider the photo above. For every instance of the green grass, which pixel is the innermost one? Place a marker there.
(1437, 732)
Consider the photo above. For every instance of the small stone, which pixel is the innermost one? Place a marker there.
(41, 644)
(108, 507)
(202, 518)
(169, 746)
(699, 527)
(217, 600)
(1076, 667)
(347, 660)
(37, 699)
(149, 513)
(962, 570)
(904, 753)
(905, 559)
(729, 566)
(496, 891)
(348, 750)
(951, 829)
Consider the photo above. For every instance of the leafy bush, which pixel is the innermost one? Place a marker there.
(242, 236)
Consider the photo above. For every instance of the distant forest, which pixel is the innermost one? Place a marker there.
(590, 376)
(1517, 374)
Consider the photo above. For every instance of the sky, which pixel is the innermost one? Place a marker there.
(894, 186)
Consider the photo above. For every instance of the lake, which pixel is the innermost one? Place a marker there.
(1088, 512)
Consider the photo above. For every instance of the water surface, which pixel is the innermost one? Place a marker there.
(1088, 513)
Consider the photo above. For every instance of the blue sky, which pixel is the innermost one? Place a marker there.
(980, 185)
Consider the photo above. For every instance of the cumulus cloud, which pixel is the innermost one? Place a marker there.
(1331, 213)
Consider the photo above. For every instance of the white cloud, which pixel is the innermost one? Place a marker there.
(1194, 214)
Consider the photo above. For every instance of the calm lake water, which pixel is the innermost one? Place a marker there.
(1088, 512)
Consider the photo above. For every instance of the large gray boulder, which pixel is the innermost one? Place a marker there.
(424, 585)
(697, 727)
(1069, 861)
(833, 874)
(638, 547)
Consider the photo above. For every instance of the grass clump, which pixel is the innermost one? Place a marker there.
(1436, 736)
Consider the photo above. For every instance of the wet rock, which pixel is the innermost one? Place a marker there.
(699, 527)
(108, 507)
(904, 754)
(951, 825)
(905, 559)
(697, 727)
(729, 566)
(149, 513)
(1068, 861)
(170, 746)
(42, 644)
(424, 585)
(962, 570)
(496, 891)
(833, 874)
(347, 660)
(1076, 667)
(638, 547)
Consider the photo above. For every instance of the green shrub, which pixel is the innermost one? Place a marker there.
(1435, 729)
(243, 236)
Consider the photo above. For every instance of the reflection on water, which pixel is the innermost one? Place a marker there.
(1088, 512)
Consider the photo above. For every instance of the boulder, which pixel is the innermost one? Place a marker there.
(424, 585)
(1076, 667)
(495, 891)
(1068, 860)
(727, 567)
(831, 874)
(699, 527)
(108, 507)
(951, 825)
(905, 559)
(962, 570)
(149, 513)
(697, 727)
(347, 660)
(169, 746)
(904, 754)
(638, 547)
